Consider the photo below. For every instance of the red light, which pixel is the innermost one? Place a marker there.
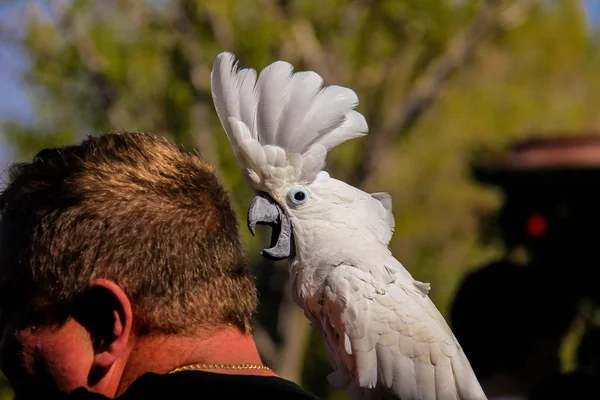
(537, 225)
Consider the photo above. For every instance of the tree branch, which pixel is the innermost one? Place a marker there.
(294, 329)
(281, 329)
(428, 87)
(266, 346)
(312, 51)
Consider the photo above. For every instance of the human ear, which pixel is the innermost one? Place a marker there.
(106, 312)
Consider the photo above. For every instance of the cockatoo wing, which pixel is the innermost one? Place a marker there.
(386, 216)
(280, 123)
(388, 339)
(374, 209)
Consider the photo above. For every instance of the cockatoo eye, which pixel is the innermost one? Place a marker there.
(298, 195)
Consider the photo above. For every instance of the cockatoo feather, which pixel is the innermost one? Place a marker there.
(288, 110)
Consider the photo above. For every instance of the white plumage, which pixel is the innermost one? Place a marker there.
(386, 338)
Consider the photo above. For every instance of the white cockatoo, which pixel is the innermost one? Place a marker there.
(386, 338)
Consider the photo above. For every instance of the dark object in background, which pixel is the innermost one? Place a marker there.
(551, 209)
(574, 385)
(510, 323)
(584, 383)
(588, 353)
(551, 205)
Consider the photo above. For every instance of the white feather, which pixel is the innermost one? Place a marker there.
(304, 86)
(327, 112)
(292, 111)
(398, 361)
(273, 93)
(386, 215)
(247, 99)
(233, 92)
(354, 126)
(313, 162)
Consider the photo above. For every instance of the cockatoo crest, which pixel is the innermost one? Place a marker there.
(282, 124)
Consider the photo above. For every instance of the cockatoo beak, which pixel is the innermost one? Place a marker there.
(265, 211)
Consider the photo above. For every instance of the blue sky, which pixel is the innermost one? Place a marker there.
(13, 99)
(593, 10)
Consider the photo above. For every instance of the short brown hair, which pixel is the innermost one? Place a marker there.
(133, 208)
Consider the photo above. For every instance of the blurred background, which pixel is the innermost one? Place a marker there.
(483, 123)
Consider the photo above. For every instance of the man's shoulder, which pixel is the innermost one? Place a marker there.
(189, 384)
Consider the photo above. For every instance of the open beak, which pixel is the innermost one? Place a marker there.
(265, 211)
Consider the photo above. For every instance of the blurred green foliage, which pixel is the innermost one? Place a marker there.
(6, 392)
(144, 66)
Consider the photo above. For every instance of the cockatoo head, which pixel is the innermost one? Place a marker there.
(281, 125)
(295, 206)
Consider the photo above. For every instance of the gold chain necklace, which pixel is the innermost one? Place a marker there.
(192, 367)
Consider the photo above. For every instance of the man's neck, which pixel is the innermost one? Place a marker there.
(163, 354)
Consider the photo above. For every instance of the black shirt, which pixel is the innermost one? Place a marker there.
(207, 385)
(197, 385)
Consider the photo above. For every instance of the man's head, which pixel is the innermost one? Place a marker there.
(121, 235)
